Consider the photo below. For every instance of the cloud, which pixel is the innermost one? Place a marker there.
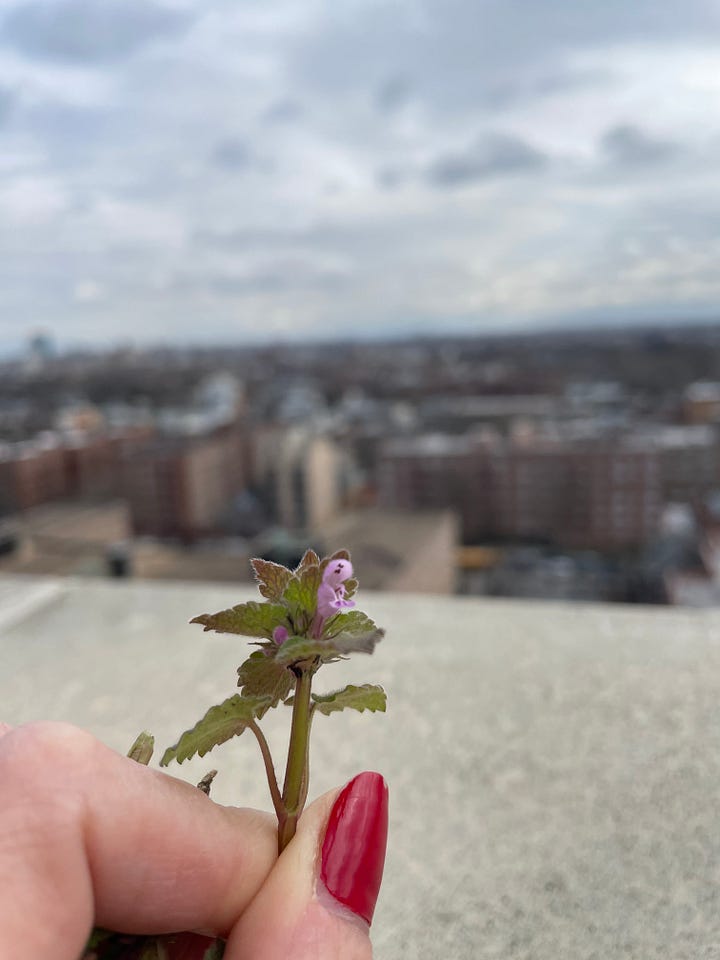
(460, 52)
(495, 156)
(88, 291)
(283, 110)
(392, 175)
(8, 99)
(629, 146)
(87, 31)
(188, 174)
(392, 94)
(232, 154)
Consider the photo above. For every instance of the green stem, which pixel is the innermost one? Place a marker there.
(296, 772)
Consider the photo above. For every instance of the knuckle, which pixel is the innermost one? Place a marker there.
(47, 762)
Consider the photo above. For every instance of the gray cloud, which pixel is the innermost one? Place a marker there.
(90, 31)
(393, 93)
(628, 145)
(536, 86)
(232, 154)
(461, 51)
(196, 175)
(284, 110)
(8, 99)
(391, 176)
(496, 156)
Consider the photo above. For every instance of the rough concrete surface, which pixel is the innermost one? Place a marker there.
(554, 770)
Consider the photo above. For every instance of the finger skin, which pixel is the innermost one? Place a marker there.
(293, 916)
(91, 837)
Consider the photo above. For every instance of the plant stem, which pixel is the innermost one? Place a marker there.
(269, 768)
(296, 772)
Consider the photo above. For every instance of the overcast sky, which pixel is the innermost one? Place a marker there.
(239, 169)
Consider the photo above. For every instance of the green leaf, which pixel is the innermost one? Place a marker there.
(298, 649)
(251, 619)
(301, 597)
(272, 578)
(219, 724)
(366, 697)
(352, 632)
(261, 675)
(142, 750)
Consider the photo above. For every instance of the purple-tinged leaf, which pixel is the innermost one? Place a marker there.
(272, 578)
(263, 676)
(309, 559)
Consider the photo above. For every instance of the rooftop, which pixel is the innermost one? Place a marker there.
(553, 769)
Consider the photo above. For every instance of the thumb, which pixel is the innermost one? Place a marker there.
(318, 901)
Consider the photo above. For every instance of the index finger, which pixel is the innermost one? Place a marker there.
(91, 837)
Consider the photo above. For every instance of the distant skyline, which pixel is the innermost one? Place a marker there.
(180, 171)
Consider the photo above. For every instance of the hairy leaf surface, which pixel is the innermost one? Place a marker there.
(263, 676)
(251, 619)
(272, 578)
(353, 632)
(298, 649)
(366, 697)
(220, 723)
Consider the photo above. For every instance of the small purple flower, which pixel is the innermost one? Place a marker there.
(280, 635)
(331, 592)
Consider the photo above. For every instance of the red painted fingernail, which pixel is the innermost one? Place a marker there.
(188, 946)
(353, 853)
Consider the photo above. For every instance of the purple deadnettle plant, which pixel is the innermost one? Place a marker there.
(307, 619)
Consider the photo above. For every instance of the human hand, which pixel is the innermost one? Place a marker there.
(92, 838)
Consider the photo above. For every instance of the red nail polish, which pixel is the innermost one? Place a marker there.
(353, 853)
(188, 946)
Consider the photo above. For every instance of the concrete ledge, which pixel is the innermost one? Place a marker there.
(553, 769)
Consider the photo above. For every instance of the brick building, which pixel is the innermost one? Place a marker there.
(605, 493)
(183, 487)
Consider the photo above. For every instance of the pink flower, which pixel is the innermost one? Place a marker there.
(280, 635)
(331, 592)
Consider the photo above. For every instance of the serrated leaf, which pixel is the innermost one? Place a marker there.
(142, 750)
(353, 632)
(309, 559)
(300, 597)
(261, 675)
(338, 555)
(351, 587)
(298, 649)
(272, 578)
(366, 697)
(251, 619)
(220, 723)
(346, 643)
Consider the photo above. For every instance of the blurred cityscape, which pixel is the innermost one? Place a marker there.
(573, 465)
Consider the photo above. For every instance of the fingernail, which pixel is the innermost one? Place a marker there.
(187, 946)
(353, 853)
